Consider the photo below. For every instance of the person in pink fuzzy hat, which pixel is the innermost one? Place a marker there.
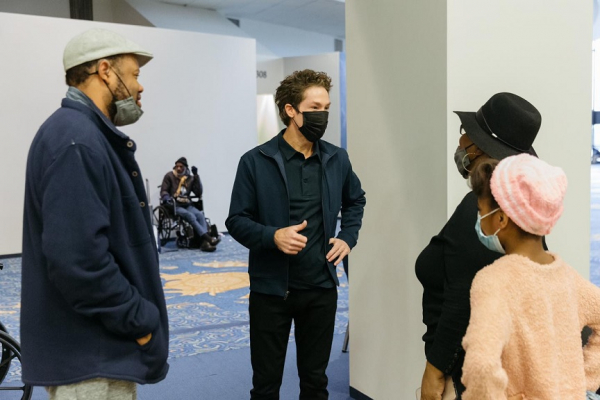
(527, 308)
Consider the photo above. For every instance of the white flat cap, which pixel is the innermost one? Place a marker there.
(96, 44)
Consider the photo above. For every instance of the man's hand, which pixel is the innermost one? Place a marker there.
(143, 340)
(194, 170)
(433, 383)
(289, 240)
(517, 397)
(339, 250)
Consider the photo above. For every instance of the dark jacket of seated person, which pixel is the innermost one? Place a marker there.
(180, 186)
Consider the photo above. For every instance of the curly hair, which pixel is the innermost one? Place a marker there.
(480, 180)
(291, 90)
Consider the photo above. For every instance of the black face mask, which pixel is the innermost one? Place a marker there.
(315, 123)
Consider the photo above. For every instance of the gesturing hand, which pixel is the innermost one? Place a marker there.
(289, 240)
(340, 250)
(194, 170)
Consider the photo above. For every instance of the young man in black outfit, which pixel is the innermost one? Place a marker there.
(284, 206)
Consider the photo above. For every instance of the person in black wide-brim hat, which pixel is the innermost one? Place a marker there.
(505, 125)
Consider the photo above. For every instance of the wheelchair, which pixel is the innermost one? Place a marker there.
(169, 223)
(11, 353)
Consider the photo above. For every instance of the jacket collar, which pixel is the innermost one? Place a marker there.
(94, 114)
(271, 148)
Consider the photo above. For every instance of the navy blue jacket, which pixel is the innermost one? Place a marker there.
(260, 205)
(90, 281)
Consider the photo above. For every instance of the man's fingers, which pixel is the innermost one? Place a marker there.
(295, 245)
(334, 249)
(338, 251)
(343, 255)
(299, 227)
(334, 252)
(299, 238)
(340, 258)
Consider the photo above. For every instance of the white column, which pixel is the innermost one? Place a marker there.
(410, 64)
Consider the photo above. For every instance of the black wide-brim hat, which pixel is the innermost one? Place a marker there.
(504, 126)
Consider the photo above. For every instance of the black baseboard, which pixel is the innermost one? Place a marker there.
(10, 255)
(357, 395)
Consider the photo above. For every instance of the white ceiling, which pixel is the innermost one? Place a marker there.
(321, 16)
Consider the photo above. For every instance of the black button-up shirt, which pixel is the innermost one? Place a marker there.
(308, 269)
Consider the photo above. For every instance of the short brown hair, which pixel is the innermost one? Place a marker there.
(78, 74)
(480, 180)
(291, 89)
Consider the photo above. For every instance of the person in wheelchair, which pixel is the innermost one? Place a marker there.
(176, 189)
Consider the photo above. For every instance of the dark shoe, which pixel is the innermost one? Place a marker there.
(214, 241)
(207, 247)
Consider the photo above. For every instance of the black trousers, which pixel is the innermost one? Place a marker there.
(313, 313)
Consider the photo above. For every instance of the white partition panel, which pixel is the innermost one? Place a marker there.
(396, 75)
(409, 65)
(199, 102)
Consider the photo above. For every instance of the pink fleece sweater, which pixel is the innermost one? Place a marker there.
(524, 335)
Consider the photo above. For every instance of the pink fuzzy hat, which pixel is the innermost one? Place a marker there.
(530, 192)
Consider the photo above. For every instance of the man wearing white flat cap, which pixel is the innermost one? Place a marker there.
(93, 313)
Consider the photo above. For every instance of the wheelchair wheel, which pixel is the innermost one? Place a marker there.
(164, 224)
(4, 357)
(11, 347)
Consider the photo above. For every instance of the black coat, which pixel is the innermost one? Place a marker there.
(90, 283)
(260, 205)
(446, 269)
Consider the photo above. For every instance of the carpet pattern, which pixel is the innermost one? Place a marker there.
(206, 293)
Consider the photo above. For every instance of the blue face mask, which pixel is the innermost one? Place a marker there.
(491, 242)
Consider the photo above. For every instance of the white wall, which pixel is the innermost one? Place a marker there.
(268, 82)
(188, 106)
(552, 68)
(410, 64)
(396, 79)
(330, 64)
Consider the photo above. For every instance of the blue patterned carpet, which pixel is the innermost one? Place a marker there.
(207, 299)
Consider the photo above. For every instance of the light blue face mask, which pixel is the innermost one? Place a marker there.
(491, 242)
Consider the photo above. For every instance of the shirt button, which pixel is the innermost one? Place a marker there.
(130, 144)
(134, 173)
(142, 204)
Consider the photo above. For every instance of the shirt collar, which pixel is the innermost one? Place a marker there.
(289, 152)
